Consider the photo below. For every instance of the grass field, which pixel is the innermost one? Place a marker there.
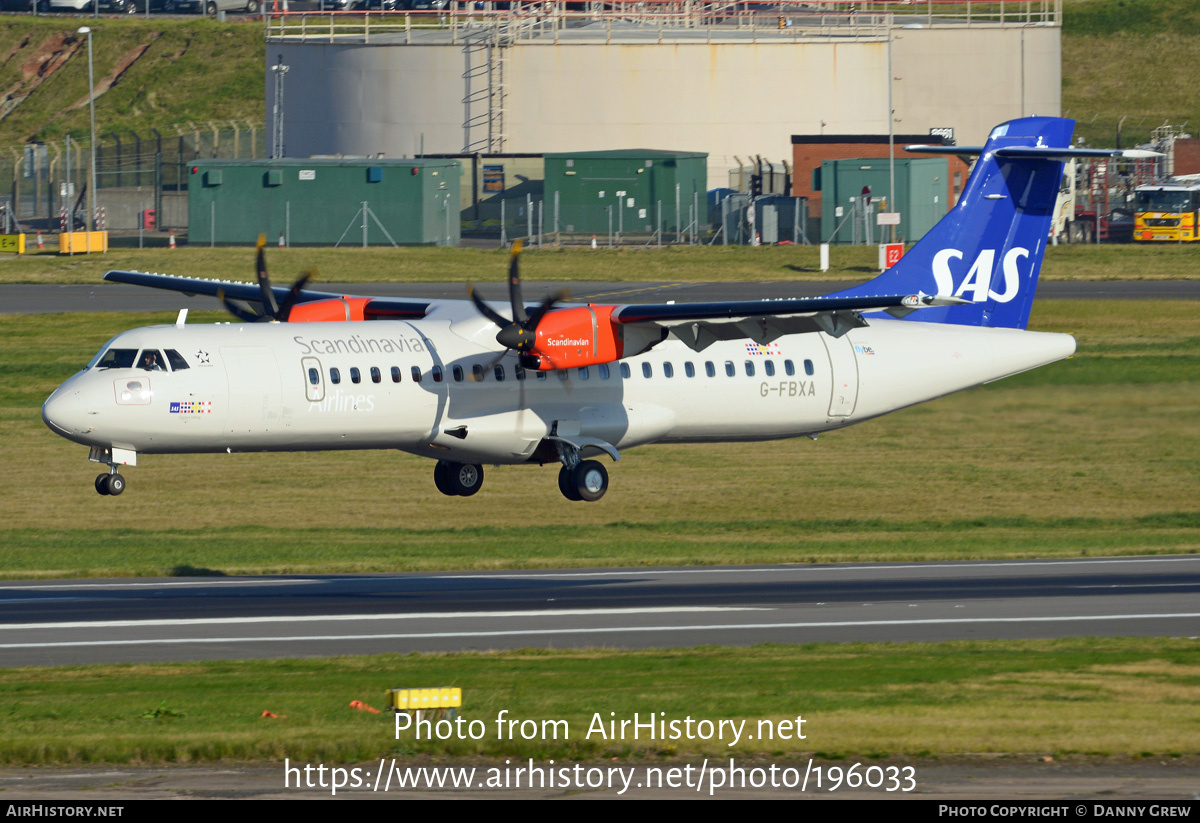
(1120, 697)
(690, 264)
(1096, 455)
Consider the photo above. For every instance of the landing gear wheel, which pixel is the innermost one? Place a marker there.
(590, 480)
(102, 484)
(252, 7)
(566, 486)
(210, 9)
(115, 484)
(131, 7)
(466, 478)
(441, 478)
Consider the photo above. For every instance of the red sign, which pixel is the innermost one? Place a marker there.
(892, 254)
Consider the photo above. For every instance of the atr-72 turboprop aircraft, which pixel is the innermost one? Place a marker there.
(564, 384)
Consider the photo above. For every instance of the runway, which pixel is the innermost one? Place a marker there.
(95, 621)
(115, 297)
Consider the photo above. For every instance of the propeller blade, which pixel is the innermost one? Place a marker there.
(285, 309)
(270, 307)
(532, 323)
(514, 284)
(487, 311)
(245, 315)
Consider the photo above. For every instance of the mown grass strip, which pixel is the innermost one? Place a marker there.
(1116, 697)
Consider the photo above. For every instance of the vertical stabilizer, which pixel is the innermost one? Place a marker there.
(989, 247)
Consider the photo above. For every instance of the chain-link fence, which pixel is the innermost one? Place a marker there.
(141, 180)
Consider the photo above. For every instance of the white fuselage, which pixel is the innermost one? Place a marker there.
(271, 387)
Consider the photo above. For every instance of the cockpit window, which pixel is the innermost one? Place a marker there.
(176, 360)
(151, 360)
(117, 359)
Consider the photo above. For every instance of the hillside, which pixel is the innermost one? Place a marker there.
(154, 73)
(1121, 58)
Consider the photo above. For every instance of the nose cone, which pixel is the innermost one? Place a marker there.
(66, 413)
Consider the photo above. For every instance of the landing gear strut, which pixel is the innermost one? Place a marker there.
(457, 479)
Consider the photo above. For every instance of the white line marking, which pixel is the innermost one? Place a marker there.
(621, 629)
(121, 584)
(321, 618)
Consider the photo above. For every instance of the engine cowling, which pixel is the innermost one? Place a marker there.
(329, 311)
(569, 338)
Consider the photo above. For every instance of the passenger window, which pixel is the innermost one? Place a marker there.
(395, 374)
(808, 368)
(541, 375)
(584, 374)
(335, 376)
(730, 369)
(519, 372)
(625, 370)
(355, 375)
(689, 369)
(789, 367)
(603, 369)
(436, 374)
(749, 368)
(499, 372)
(375, 375)
(769, 368)
(668, 370)
(457, 374)
(477, 373)
(176, 360)
(710, 369)
(647, 371)
(563, 374)
(416, 374)
(314, 376)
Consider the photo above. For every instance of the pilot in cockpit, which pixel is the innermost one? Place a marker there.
(151, 361)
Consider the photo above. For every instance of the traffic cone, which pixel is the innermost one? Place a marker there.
(282, 245)
(40, 244)
(171, 242)
(593, 241)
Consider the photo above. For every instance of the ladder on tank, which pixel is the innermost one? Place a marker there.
(486, 52)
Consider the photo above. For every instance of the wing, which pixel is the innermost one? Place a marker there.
(699, 325)
(310, 304)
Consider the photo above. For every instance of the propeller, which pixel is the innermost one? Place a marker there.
(520, 333)
(271, 308)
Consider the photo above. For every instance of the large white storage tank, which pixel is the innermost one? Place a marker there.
(682, 78)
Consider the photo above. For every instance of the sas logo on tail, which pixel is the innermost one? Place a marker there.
(979, 279)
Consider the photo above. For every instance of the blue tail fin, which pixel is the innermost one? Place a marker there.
(989, 247)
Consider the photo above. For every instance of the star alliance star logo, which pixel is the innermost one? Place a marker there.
(202, 357)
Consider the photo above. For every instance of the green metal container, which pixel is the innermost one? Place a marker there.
(325, 201)
(921, 198)
(640, 190)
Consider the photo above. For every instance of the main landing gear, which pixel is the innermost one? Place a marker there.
(580, 479)
(457, 479)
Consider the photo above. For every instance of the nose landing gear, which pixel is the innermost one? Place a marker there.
(112, 483)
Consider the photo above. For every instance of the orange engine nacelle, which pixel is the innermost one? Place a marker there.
(329, 311)
(569, 338)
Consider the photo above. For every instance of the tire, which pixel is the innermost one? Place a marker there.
(130, 7)
(590, 480)
(116, 484)
(43, 6)
(168, 6)
(466, 478)
(210, 9)
(441, 478)
(102, 484)
(566, 486)
(252, 7)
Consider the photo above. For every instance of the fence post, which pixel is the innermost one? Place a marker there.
(503, 226)
(609, 210)
(528, 216)
(678, 218)
(364, 215)
(658, 223)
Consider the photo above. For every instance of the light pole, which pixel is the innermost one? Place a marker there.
(277, 127)
(92, 113)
